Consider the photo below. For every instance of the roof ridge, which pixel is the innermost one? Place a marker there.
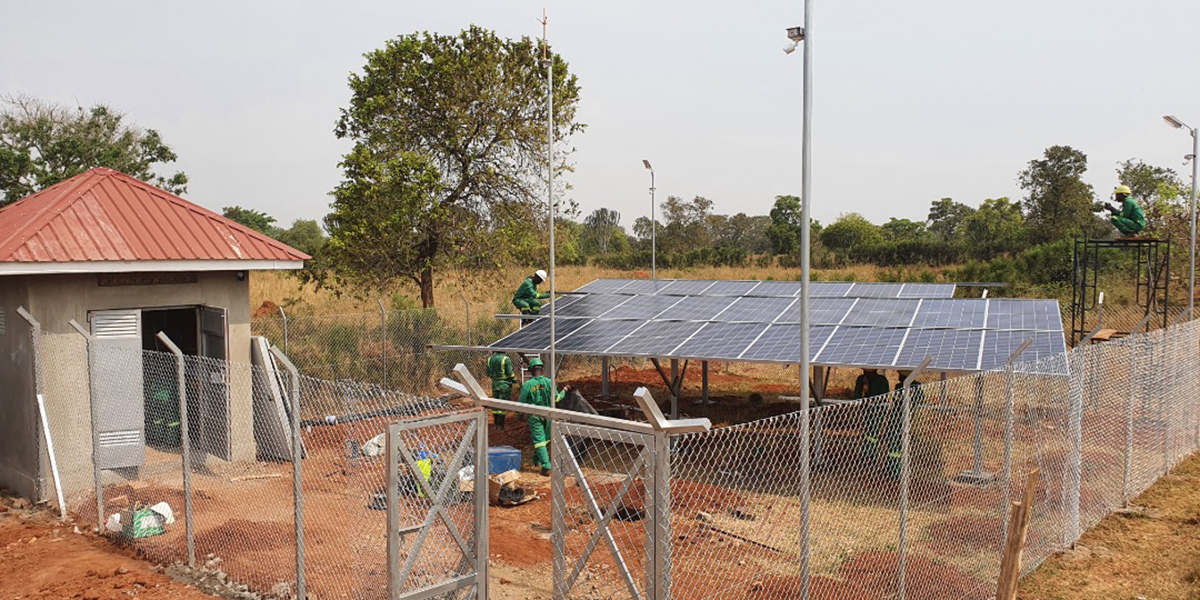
(73, 188)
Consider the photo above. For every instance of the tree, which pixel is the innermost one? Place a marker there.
(42, 144)
(1059, 203)
(449, 155)
(1148, 182)
(644, 229)
(944, 217)
(786, 221)
(599, 228)
(254, 219)
(903, 229)
(997, 227)
(685, 224)
(850, 230)
(304, 235)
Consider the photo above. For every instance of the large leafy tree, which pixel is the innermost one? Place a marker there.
(945, 215)
(448, 164)
(997, 227)
(686, 224)
(599, 229)
(850, 230)
(786, 221)
(1058, 203)
(42, 144)
(254, 219)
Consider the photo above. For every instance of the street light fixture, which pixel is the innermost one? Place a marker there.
(653, 226)
(1177, 124)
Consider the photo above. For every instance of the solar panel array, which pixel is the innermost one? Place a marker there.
(768, 289)
(963, 334)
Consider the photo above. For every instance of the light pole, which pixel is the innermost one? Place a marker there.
(653, 226)
(548, 62)
(798, 36)
(1177, 124)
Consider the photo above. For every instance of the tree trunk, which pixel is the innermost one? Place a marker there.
(427, 287)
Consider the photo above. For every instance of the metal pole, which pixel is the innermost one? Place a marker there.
(1075, 437)
(653, 233)
(1135, 345)
(383, 339)
(297, 469)
(481, 505)
(96, 474)
(805, 211)
(558, 518)
(35, 342)
(977, 464)
(662, 515)
(185, 446)
(676, 388)
(805, 496)
(1192, 251)
(704, 382)
(467, 304)
(283, 315)
(549, 62)
(392, 492)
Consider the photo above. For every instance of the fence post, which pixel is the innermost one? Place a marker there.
(185, 446)
(467, 304)
(1075, 457)
(96, 474)
(558, 521)
(661, 520)
(481, 503)
(605, 390)
(383, 339)
(1010, 376)
(905, 469)
(35, 342)
(297, 468)
(1135, 345)
(283, 315)
(391, 479)
(805, 496)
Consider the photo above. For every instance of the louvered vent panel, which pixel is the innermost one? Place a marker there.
(113, 324)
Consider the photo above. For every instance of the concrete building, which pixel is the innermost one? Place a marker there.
(124, 260)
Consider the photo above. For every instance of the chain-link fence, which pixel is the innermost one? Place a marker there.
(898, 503)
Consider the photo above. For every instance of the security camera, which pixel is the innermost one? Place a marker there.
(790, 48)
(796, 34)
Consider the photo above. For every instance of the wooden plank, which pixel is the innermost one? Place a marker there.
(1018, 530)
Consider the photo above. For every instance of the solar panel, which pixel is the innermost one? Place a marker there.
(829, 289)
(536, 336)
(721, 340)
(699, 308)
(862, 346)
(645, 307)
(731, 288)
(758, 310)
(655, 338)
(559, 303)
(645, 286)
(603, 286)
(782, 343)
(782, 289)
(686, 287)
(951, 349)
(591, 306)
(829, 311)
(928, 290)
(875, 290)
(1011, 313)
(882, 312)
(998, 346)
(597, 336)
(957, 313)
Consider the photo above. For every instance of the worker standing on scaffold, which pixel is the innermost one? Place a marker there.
(538, 390)
(527, 299)
(1129, 219)
(500, 370)
(868, 385)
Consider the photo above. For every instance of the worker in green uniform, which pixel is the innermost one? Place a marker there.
(1129, 219)
(538, 390)
(893, 434)
(869, 385)
(500, 370)
(527, 299)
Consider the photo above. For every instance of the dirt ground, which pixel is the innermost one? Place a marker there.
(1153, 552)
(43, 557)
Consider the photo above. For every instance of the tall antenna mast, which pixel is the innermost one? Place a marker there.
(549, 63)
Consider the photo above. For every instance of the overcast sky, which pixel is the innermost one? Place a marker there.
(914, 100)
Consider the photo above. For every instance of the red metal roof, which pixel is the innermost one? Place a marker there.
(105, 215)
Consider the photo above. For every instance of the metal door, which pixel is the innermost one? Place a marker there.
(115, 358)
(213, 377)
(436, 521)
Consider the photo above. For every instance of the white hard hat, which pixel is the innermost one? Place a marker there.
(541, 274)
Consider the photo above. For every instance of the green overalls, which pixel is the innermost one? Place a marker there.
(869, 386)
(1131, 219)
(894, 434)
(500, 369)
(537, 391)
(528, 299)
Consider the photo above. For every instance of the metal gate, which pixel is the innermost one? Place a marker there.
(437, 498)
(609, 519)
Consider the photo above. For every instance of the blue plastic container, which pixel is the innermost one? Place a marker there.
(503, 458)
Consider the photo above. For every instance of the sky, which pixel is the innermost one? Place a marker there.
(913, 101)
